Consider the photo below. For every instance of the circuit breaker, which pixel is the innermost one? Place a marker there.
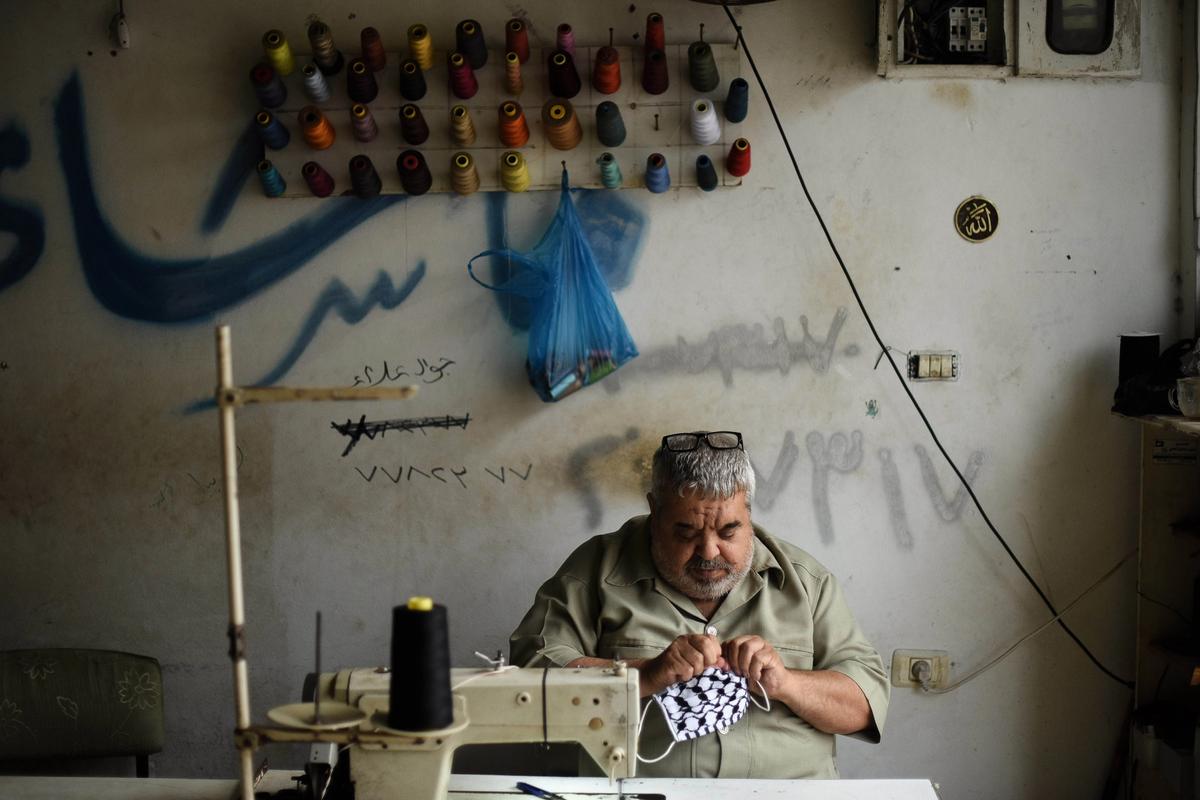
(968, 30)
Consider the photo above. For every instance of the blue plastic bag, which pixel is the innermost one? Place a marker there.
(576, 334)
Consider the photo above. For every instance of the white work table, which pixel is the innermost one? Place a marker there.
(477, 787)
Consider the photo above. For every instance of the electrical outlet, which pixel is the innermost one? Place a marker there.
(933, 365)
(904, 662)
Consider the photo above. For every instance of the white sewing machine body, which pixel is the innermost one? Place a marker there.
(598, 708)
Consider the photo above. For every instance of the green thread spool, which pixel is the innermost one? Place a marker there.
(610, 171)
(702, 67)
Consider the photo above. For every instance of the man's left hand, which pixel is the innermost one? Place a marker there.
(755, 659)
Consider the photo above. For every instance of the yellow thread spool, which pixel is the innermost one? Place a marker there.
(513, 84)
(421, 45)
(463, 175)
(420, 604)
(462, 129)
(514, 173)
(279, 53)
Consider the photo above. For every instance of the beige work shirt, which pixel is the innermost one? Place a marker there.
(608, 601)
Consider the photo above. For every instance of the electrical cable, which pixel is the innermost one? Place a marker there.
(977, 672)
(879, 340)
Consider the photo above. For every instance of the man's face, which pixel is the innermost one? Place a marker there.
(702, 547)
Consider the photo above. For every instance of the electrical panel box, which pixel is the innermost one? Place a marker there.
(968, 30)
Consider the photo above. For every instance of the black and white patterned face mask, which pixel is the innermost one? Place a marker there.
(712, 701)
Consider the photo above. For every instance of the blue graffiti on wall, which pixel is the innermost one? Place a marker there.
(134, 285)
(246, 154)
(23, 221)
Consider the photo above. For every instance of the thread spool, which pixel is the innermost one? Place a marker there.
(610, 127)
(516, 39)
(656, 34)
(412, 80)
(514, 172)
(737, 163)
(328, 58)
(468, 40)
(363, 121)
(561, 124)
(702, 67)
(372, 49)
(706, 128)
(462, 129)
(316, 129)
(513, 130)
(464, 178)
(271, 130)
(655, 79)
(268, 87)
(565, 39)
(658, 177)
(413, 127)
(737, 103)
(272, 182)
(364, 179)
(420, 697)
(360, 82)
(606, 75)
(320, 182)
(706, 173)
(1138, 352)
(462, 78)
(279, 52)
(420, 44)
(315, 86)
(564, 77)
(414, 172)
(610, 171)
(513, 84)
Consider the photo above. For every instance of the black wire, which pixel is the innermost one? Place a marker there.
(903, 384)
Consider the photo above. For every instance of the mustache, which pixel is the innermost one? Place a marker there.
(704, 564)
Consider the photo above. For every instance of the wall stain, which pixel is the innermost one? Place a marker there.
(579, 464)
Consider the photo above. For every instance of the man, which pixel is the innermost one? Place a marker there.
(697, 585)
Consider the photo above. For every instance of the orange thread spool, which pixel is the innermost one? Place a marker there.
(512, 74)
(562, 124)
(514, 130)
(606, 77)
(316, 128)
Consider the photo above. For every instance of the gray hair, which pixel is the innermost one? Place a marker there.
(710, 473)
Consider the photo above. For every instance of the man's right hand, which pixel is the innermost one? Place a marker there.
(684, 659)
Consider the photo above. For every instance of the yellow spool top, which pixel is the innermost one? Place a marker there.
(558, 111)
(418, 31)
(420, 604)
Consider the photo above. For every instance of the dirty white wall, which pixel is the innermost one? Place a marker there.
(111, 516)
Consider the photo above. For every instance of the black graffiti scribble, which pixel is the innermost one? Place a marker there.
(357, 430)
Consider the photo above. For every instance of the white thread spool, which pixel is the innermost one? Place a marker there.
(314, 84)
(706, 128)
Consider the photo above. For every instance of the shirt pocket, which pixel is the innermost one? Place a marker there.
(795, 656)
(615, 645)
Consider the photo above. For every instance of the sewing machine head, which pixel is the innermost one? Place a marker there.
(598, 708)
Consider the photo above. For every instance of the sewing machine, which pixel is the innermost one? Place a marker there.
(598, 708)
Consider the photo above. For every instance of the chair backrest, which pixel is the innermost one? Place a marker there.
(72, 703)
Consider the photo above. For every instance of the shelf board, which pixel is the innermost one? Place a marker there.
(1179, 424)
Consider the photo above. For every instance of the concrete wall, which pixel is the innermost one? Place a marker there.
(109, 497)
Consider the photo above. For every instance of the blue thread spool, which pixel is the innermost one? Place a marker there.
(271, 130)
(364, 180)
(737, 103)
(706, 173)
(268, 86)
(272, 182)
(658, 178)
(610, 171)
(610, 128)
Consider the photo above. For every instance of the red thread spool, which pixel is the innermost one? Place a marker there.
(655, 79)
(516, 39)
(372, 49)
(514, 129)
(656, 33)
(320, 182)
(413, 126)
(606, 77)
(462, 78)
(737, 163)
(564, 77)
(316, 128)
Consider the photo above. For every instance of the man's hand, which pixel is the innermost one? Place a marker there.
(684, 659)
(755, 659)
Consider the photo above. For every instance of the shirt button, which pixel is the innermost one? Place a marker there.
(711, 630)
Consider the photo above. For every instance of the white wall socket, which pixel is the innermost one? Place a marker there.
(903, 662)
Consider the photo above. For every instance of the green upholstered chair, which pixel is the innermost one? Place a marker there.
(60, 704)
